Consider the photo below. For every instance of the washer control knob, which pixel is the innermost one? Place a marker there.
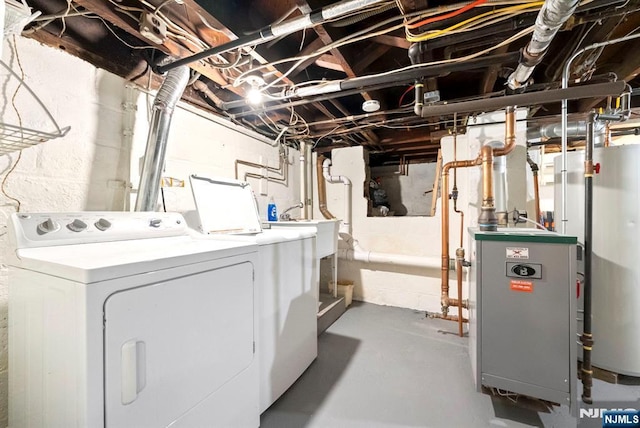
(102, 224)
(155, 222)
(77, 225)
(48, 226)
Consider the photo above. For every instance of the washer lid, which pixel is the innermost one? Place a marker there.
(88, 263)
(225, 206)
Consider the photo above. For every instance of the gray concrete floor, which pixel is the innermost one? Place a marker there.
(381, 366)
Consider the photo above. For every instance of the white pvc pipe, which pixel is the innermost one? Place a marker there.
(346, 221)
(360, 255)
(303, 180)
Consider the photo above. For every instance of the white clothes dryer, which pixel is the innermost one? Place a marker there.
(287, 280)
(123, 320)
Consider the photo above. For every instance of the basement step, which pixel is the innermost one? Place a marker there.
(331, 308)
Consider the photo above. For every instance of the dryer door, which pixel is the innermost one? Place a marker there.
(173, 348)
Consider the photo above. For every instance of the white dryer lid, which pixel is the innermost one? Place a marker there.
(225, 206)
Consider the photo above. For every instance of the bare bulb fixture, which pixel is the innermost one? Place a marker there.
(254, 96)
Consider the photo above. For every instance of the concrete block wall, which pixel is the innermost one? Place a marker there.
(95, 165)
(418, 288)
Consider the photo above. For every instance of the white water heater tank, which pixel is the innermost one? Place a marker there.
(616, 250)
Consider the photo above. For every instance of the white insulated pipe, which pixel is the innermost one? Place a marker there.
(346, 221)
(303, 180)
(552, 15)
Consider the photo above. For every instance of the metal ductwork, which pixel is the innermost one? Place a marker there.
(552, 15)
(574, 129)
(162, 111)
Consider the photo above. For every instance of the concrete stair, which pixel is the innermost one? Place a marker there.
(331, 308)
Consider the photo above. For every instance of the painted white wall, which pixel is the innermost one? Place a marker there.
(418, 288)
(91, 167)
(205, 148)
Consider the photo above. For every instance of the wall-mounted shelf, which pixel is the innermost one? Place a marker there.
(14, 138)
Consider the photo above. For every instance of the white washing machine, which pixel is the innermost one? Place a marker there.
(123, 320)
(287, 281)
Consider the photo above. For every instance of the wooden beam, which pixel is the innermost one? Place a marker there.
(316, 44)
(392, 41)
(131, 26)
(413, 150)
(369, 57)
(491, 74)
(329, 62)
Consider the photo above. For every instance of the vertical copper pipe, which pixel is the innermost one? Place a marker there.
(487, 216)
(487, 221)
(459, 259)
(510, 133)
(444, 285)
(322, 190)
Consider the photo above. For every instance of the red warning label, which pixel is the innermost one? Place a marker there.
(520, 285)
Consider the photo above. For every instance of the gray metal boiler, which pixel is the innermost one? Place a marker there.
(522, 324)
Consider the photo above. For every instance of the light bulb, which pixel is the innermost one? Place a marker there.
(254, 96)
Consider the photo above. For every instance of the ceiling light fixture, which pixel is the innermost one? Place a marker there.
(254, 95)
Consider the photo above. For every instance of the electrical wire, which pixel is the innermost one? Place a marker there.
(403, 95)
(352, 38)
(504, 13)
(446, 15)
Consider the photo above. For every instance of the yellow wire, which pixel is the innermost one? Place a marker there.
(437, 33)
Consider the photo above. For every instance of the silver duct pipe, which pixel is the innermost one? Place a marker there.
(168, 95)
(574, 129)
(552, 15)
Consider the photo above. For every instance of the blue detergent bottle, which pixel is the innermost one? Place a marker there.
(272, 211)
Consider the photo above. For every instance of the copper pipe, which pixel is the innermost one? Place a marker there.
(322, 190)
(486, 159)
(455, 179)
(444, 286)
(487, 221)
(510, 133)
(456, 302)
(447, 317)
(459, 259)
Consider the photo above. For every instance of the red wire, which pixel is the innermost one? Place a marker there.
(405, 93)
(446, 15)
